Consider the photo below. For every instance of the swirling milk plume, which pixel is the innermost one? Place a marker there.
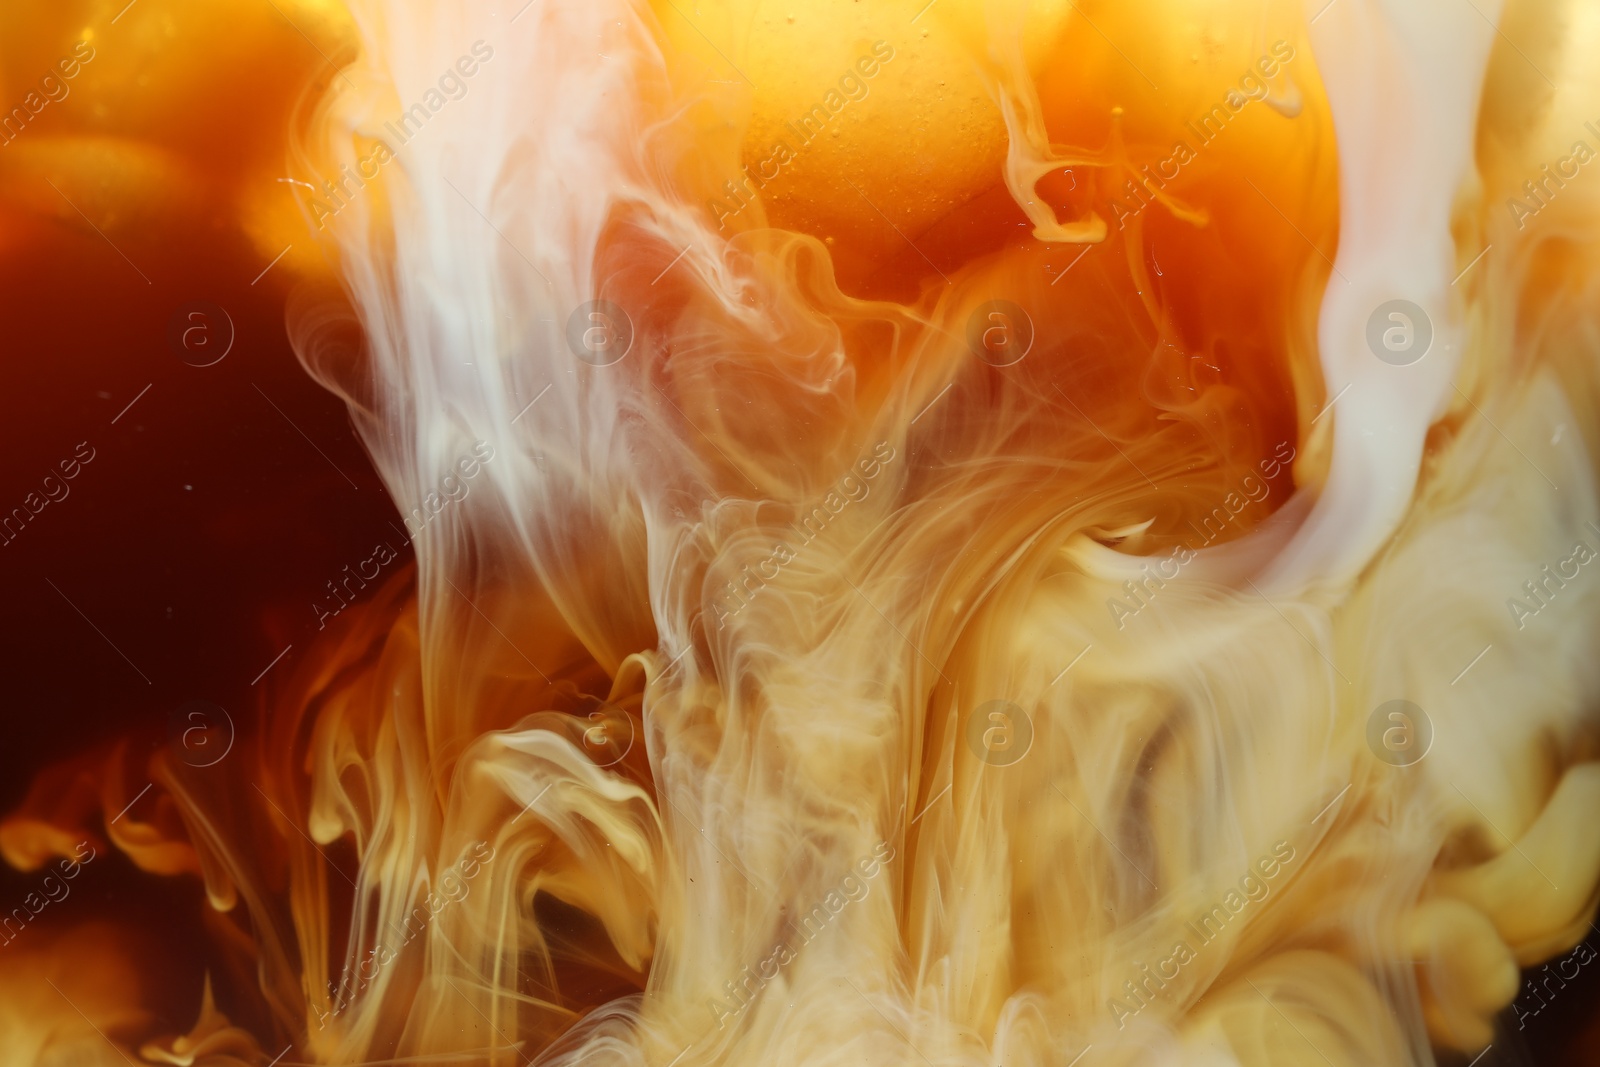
(799, 724)
(679, 745)
(1405, 141)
